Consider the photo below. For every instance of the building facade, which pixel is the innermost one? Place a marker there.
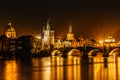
(70, 35)
(48, 37)
(9, 31)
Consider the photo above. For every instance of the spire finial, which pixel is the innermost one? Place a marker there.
(70, 28)
(48, 25)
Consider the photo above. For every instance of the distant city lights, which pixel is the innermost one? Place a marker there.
(109, 39)
(38, 37)
(101, 41)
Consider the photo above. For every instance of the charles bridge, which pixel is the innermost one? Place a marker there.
(87, 51)
(64, 52)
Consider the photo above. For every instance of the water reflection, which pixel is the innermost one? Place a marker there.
(10, 70)
(65, 68)
(41, 69)
(107, 69)
(59, 68)
(70, 60)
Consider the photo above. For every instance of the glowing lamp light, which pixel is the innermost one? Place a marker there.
(101, 41)
(109, 39)
(113, 40)
(38, 37)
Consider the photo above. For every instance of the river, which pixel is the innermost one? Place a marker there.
(59, 68)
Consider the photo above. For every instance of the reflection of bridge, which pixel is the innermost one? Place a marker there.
(89, 51)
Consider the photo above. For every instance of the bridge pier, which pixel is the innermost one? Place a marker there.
(90, 51)
(86, 60)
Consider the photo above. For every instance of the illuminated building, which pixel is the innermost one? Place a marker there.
(109, 39)
(66, 44)
(70, 39)
(37, 44)
(81, 41)
(9, 31)
(8, 40)
(74, 43)
(58, 44)
(70, 35)
(48, 36)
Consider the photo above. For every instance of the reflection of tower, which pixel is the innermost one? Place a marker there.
(9, 31)
(70, 35)
(48, 36)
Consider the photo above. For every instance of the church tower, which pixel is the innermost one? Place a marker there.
(9, 31)
(70, 35)
(48, 36)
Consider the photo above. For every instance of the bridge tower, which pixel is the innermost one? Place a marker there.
(48, 36)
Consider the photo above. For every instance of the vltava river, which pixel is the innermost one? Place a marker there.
(59, 68)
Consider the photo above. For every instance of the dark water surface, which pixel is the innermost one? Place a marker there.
(59, 68)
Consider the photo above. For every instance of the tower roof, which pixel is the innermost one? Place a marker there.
(9, 27)
(48, 25)
(70, 28)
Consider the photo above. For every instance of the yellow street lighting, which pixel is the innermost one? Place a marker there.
(101, 41)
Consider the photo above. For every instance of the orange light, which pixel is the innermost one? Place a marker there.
(101, 41)
(38, 37)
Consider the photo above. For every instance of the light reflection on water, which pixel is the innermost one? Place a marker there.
(59, 68)
(10, 70)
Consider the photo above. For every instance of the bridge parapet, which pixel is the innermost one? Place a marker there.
(88, 51)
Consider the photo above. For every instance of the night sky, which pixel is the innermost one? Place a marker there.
(92, 19)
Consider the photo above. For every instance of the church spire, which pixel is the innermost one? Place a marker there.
(48, 25)
(70, 28)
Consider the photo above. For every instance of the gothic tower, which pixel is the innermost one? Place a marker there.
(48, 36)
(70, 35)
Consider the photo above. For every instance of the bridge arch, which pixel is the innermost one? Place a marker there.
(115, 51)
(93, 52)
(55, 52)
(74, 52)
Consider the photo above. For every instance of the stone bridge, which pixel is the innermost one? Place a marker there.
(88, 51)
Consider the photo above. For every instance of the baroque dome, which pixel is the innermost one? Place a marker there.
(9, 28)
